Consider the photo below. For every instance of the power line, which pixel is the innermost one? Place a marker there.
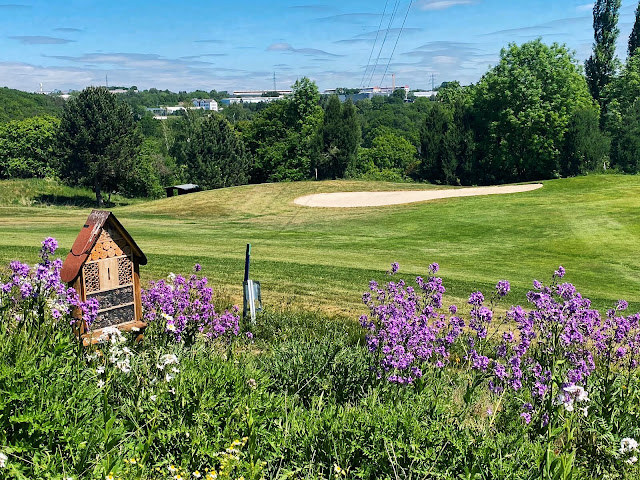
(396, 44)
(374, 43)
(386, 33)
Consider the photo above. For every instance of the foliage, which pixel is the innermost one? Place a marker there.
(625, 151)
(389, 152)
(28, 147)
(522, 108)
(284, 137)
(340, 139)
(214, 155)
(634, 36)
(601, 66)
(99, 142)
(586, 146)
(18, 105)
(622, 114)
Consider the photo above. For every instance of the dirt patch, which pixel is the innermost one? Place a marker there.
(378, 199)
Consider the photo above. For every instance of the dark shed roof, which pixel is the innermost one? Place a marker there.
(88, 237)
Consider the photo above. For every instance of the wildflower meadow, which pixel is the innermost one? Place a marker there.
(417, 388)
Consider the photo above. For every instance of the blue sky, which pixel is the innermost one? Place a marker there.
(240, 44)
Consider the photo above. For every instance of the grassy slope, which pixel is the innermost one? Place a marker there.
(323, 258)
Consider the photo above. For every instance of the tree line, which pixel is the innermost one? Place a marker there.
(535, 115)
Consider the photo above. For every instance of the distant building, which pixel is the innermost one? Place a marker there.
(161, 113)
(205, 104)
(260, 93)
(369, 92)
(232, 100)
(429, 94)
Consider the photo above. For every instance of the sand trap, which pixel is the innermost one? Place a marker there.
(378, 199)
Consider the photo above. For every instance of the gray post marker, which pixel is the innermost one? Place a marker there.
(245, 283)
(251, 291)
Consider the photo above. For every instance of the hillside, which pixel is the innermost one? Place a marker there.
(18, 105)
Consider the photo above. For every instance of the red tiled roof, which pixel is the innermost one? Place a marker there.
(87, 239)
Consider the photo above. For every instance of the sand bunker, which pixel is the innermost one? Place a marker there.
(378, 199)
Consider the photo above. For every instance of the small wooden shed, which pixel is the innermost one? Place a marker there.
(182, 189)
(104, 263)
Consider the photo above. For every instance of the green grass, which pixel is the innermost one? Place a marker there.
(322, 259)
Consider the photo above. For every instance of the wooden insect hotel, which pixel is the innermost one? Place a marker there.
(104, 263)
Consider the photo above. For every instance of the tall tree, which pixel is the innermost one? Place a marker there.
(586, 146)
(601, 66)
(340, 138)
(284, 137)
(634, 38)
(98, 141)
(522, 108)
(216, 156)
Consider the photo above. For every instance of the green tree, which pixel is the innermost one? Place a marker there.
(432, 142)
(622, 94)
(634, 37)
(521, 111)
(601, 66)
(340, 139)
(28, 147)
(285, 137)
(626, 143)
(98, 142)
(216, 156)
(389, 152)
(586, 147)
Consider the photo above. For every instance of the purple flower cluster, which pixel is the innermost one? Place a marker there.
(405, 329)
(185, 309)
(31, 295)
(555, 345)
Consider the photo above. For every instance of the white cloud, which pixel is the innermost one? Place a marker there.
(587, 7)
(442, 4)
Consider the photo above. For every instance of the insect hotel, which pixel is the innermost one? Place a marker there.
(104, 263)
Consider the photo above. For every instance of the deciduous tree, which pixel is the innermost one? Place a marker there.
(522, 109)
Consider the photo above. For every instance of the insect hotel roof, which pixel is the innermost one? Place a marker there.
(103, 264)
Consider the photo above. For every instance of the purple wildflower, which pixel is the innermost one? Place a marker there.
(502, 288)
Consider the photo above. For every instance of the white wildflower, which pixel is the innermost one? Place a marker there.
(171, 327)
(632, 460)
(577, 392)
(124, 365)
(100, 370)
(628, 445)
(3, 460)
(168, 377)
(171, 277)
(153, 398)
(100, 383)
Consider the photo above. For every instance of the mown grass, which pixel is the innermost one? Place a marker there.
(322, 259)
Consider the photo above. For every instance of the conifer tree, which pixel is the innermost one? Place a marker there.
(600, 67)
(634, 38)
